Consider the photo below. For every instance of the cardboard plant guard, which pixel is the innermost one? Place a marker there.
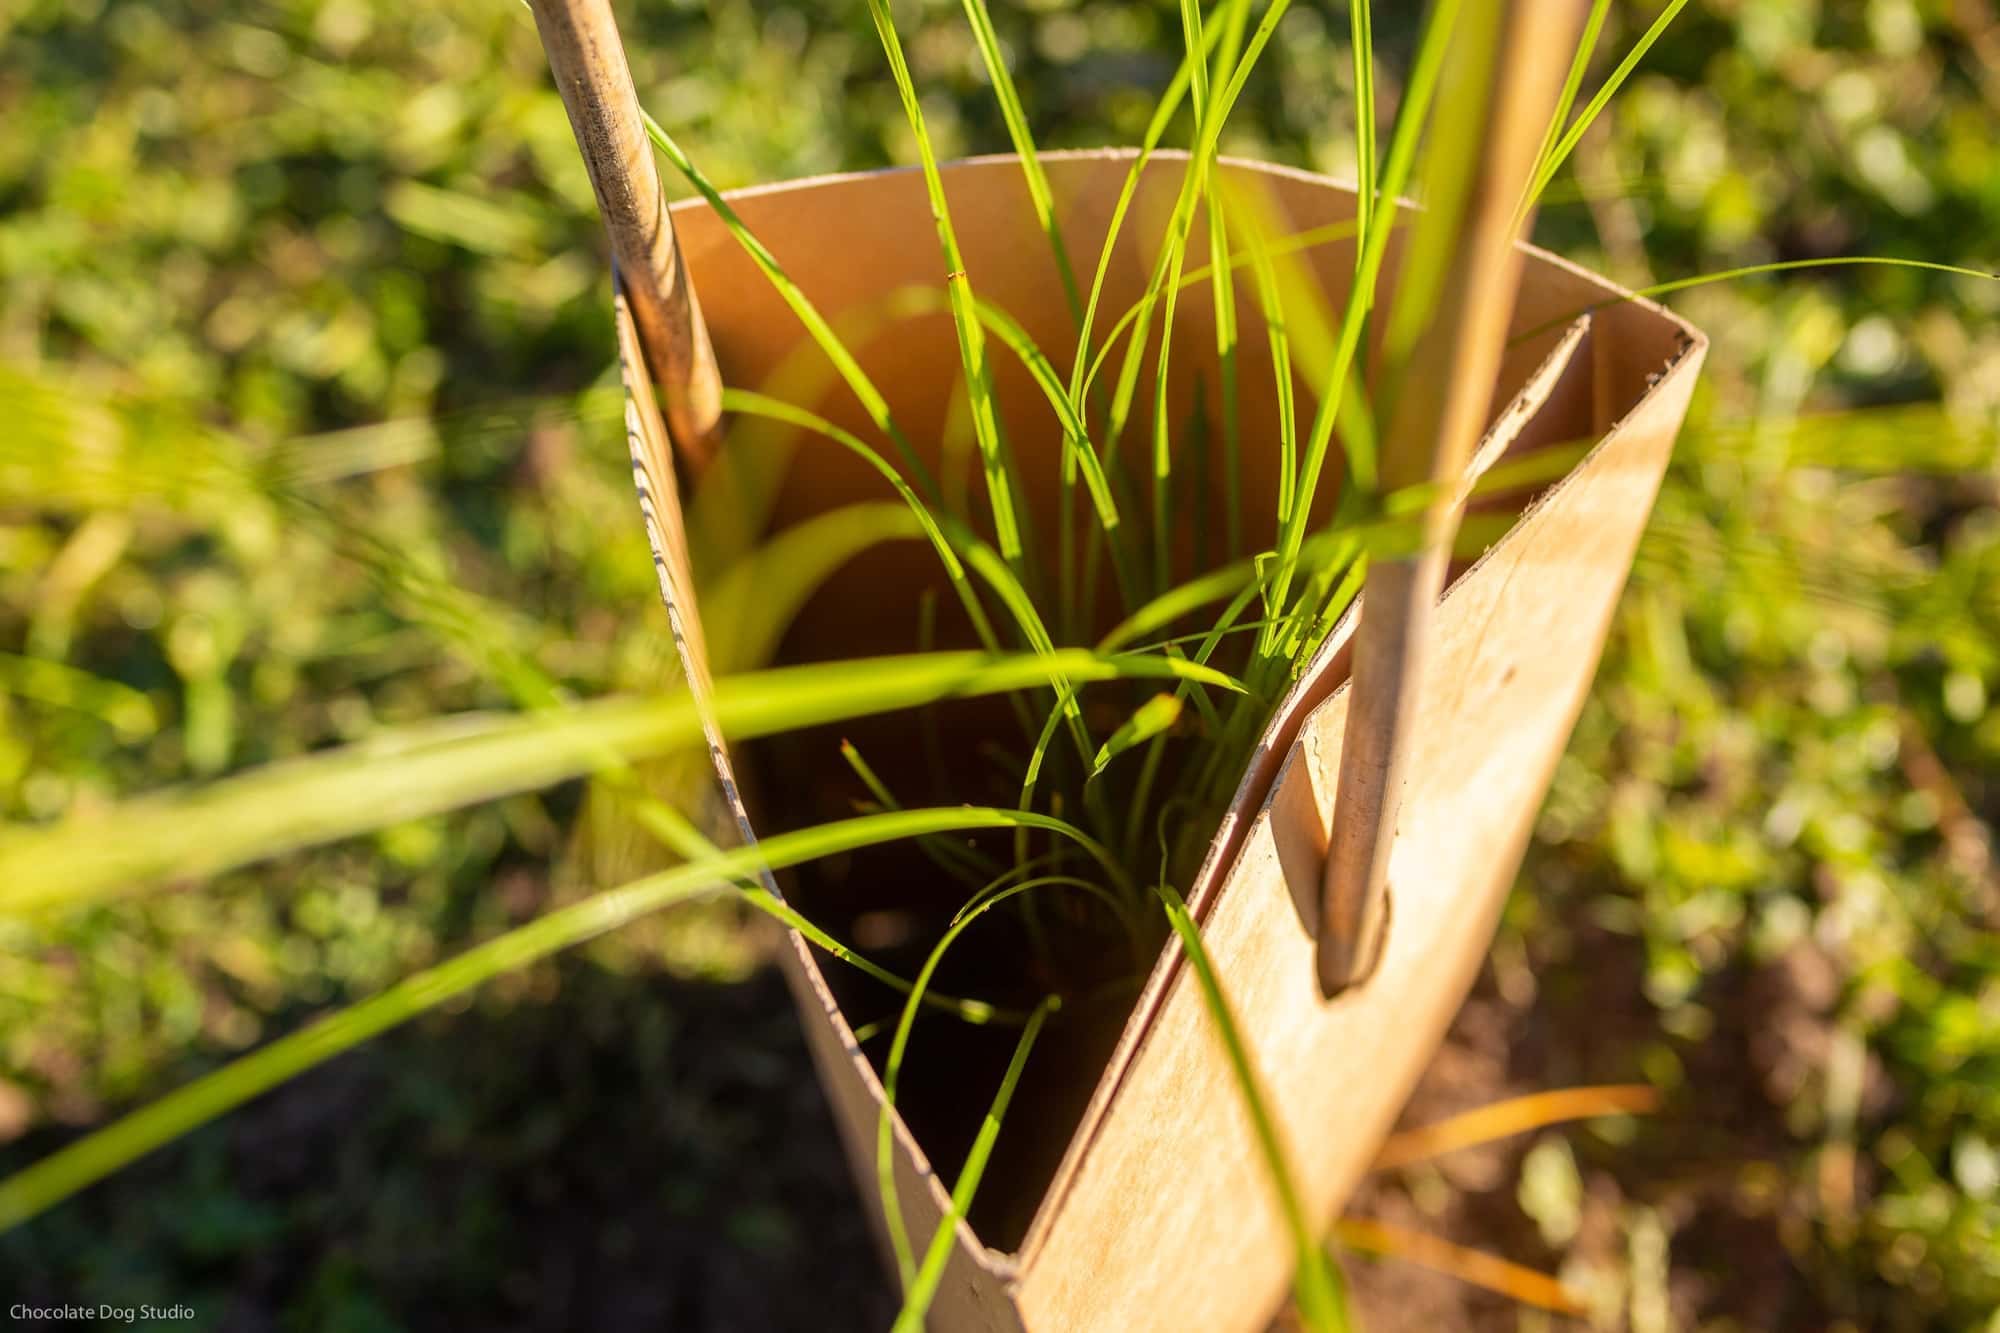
(1160, 1214)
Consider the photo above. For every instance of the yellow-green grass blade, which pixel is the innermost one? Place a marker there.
(1361, 35)
(1153, 718)
(995, 571)
(1292, 244)
(757, 404)
(892, 1065)
(1221, 583)
(1156, 128)
(754, 601)
(954, 858)
(186, 834)
(1226, 334)
(1277, 331)
(1195, 186)
(1076, 433)
(1166, 269)
(1210, 112)
(1223, 292)
(1012, 594)
(1079, 385)
(678, 833)
(1037, 755)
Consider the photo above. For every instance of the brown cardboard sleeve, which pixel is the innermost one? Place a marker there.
(1160, 1216)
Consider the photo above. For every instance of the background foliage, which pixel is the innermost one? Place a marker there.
(256, 234)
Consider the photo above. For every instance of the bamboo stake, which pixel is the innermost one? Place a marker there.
(588, 62)
(1445, 386)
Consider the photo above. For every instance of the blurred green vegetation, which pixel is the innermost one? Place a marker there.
(245, 238)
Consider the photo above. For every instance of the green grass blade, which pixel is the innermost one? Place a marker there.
(1198, 63)
(924, 1289)
(1752, 271)
(1083, 366)
(1210, 114)
(1218, 584)
(1156, 129)
(1171, 605)
(1223, 293)
(409, 773)
(995, 572)
(1166, 271)
(1037, 755)
(757, 404)
(96, 1155)
(1023, 139)
(1010, 519)
(953, 858)
(1271, 300)
(677, 833)
(1579, 65)
(1076, 433)
(1225, 355)
(808, 314)
(1602, 98)
(1289, 245)
(791, 697)
(971, 1011)
(1318, 1293)
(1337, 601)
(1424, 76)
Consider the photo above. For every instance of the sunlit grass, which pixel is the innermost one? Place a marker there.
(183, 835)
(1019, 603)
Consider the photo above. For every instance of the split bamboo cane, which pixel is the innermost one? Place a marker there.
(1440, 402)
(588, 62)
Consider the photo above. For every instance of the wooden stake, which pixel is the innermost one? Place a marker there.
(1445, 390)
(588, 61)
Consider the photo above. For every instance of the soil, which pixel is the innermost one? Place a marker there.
(1587, 1023)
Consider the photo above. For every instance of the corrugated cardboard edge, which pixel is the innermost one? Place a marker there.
(963, 1298)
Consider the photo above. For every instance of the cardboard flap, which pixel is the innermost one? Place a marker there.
(1518, 637)
(1564, 371)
